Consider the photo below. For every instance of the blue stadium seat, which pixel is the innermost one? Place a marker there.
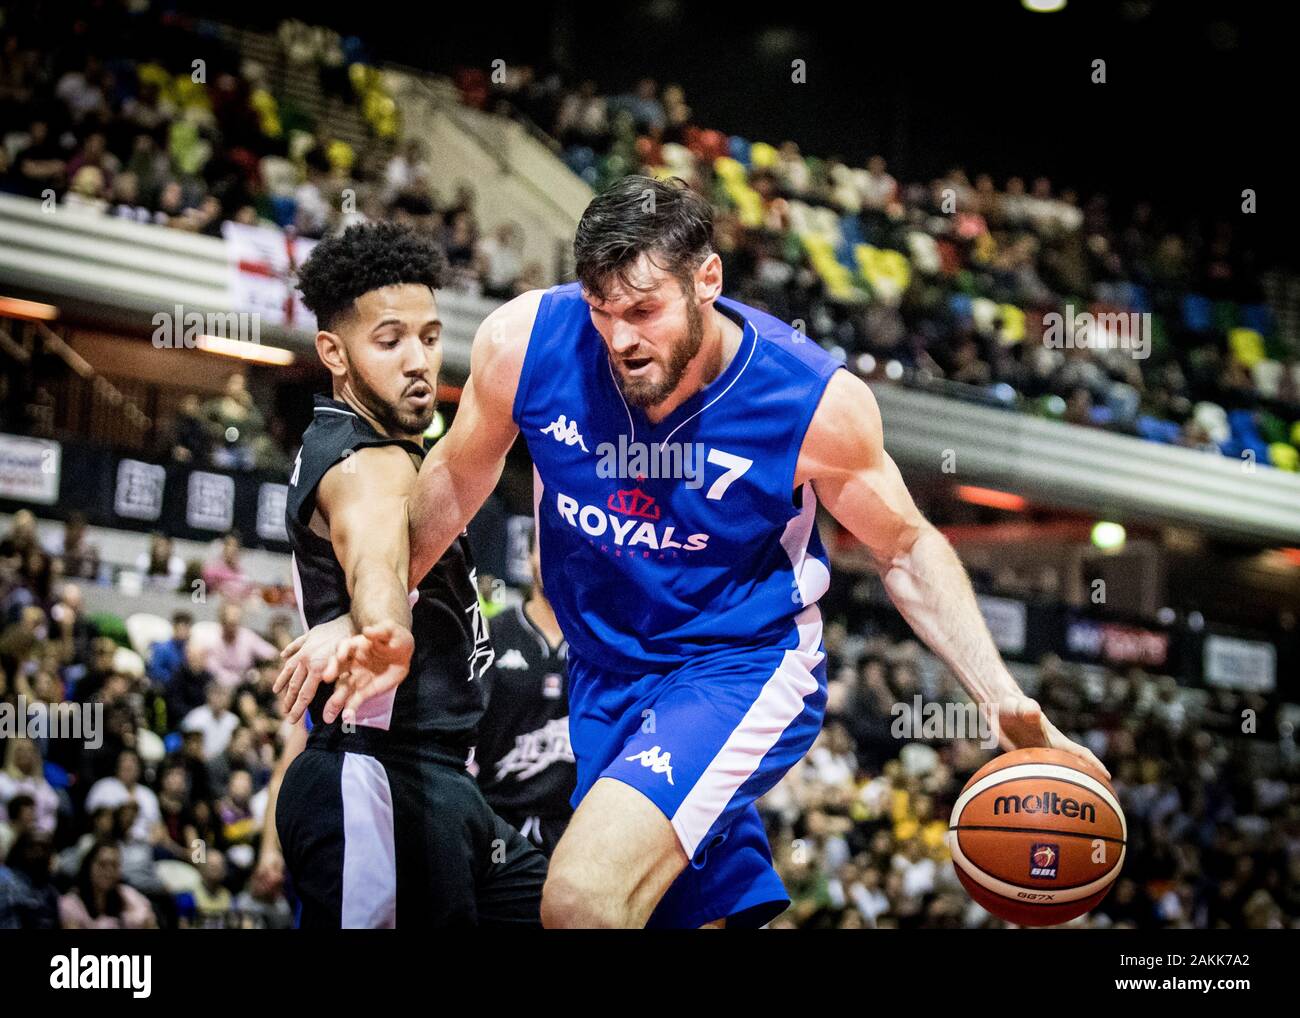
(739, 149)
(56, 775)
(1197, 312)
(1257, 317)
(1153, 429)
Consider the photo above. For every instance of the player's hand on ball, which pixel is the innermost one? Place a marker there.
(373, 662)
(1023, 725)
(308, 661)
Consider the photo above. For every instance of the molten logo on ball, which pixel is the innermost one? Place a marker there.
(1042, 861)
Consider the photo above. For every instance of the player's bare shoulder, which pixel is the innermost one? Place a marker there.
(501, 344)
(371, 472)
(845, 433)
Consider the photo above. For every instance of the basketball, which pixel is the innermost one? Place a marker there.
(1037, 837)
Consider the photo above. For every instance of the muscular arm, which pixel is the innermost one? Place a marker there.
(364, 500)
(843, 454)
(462, 469)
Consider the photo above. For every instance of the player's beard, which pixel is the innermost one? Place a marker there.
(395, 418)
(646, 394)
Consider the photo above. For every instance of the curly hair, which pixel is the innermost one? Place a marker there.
(365, 257)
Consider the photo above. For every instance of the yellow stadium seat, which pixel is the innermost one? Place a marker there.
(1247, 346)
(887, 272)
(1284, 457)
(748, 202)
(836, 276)
(762, 156)
(1012, 330)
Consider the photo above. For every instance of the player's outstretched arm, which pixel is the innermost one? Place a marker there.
(372, 645)
(843, 454)
(462, 469)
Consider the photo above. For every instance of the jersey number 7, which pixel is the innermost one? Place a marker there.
(736, 465)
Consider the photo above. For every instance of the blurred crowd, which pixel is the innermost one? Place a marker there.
(148, 811)
(156, 118)
(948, 283)
(157, 820)
(961, 284)
(1208, 782)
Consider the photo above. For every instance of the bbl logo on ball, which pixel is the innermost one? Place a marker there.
(1042, 861)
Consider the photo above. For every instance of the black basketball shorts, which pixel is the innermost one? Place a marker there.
(372, 842)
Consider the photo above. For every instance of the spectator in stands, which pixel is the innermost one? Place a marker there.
(214, 721)
(161, 567)
(21, 539)
(88, 192)
(502, 259)
(223, 574)
(191, 436)
(167, 657)
(262, 902)
(39, 166)
(100, 900)
(212, 898)
(21, 819)
(235, 422)
(124, 786)
(189, 684)
(23, 774)
(461, 244)
(69, 627)
(80, 555)
(28, 900)
(238, 649)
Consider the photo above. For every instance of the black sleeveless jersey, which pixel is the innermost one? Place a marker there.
(525, 762)
(434, 712)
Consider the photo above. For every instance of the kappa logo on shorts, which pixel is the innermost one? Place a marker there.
(659, 763)
(1043, 859)
(512, 659)
(565, 431)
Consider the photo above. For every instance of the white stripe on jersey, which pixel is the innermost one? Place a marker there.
(369, 848)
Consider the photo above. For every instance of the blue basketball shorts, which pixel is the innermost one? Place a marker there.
(703, 742)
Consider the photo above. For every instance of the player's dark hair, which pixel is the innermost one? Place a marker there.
(362, 258)
(641, 215)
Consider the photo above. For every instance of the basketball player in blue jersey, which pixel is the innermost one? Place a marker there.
(682, 442)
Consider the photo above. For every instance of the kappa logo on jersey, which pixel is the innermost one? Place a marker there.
(512, 659)
(629, 518)
(565, 431)
(657, 762)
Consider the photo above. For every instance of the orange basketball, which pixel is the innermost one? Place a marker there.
(1037, 837)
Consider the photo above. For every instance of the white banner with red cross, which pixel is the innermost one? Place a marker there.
(263, 261)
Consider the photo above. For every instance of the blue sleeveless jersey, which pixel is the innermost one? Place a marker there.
(661, 542)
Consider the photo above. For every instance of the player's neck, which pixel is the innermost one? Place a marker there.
(721, 341)
(345, 395)
(542, 615)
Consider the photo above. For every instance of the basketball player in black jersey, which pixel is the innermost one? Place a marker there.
(381, 824)
(525, 762)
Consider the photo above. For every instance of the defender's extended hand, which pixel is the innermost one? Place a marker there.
(308, 661)
(369, 664)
